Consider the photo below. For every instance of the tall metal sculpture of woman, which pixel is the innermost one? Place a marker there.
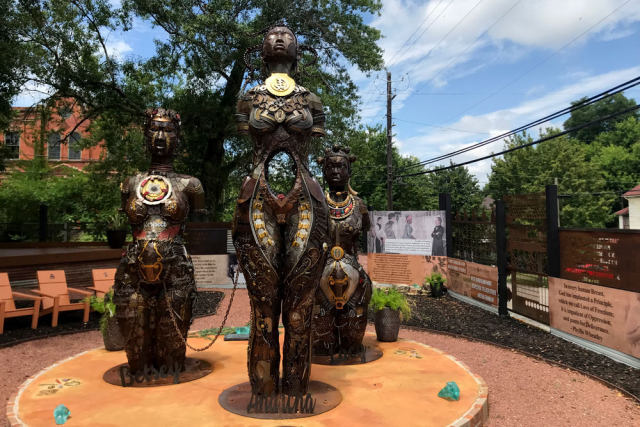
(154, 287)
(345, 288)
(280, 238)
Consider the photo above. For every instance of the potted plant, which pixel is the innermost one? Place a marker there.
(388, 306)
(436, 283)
(116, 231)
(113, 340)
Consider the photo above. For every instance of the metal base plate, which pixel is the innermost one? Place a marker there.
(236, 399)
(371, 354)
(194, 369)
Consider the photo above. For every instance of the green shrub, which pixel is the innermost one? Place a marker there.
(106, 306)
(436, 281)
(390, 297)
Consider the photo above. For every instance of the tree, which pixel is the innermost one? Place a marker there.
(198, 69)
(602, 108)
(530, 169)
(410, 193)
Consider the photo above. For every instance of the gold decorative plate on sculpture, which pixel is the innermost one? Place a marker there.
(280, 84)
(154, 190)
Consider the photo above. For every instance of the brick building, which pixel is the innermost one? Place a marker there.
(22, 136)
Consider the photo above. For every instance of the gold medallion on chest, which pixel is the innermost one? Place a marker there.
(280, 84)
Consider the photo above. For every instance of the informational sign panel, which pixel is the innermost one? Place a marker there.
(215, 270)
(601, 258)
(398, 269)
(206, 238)
(606, 316)
(408, 232)
(477, 281)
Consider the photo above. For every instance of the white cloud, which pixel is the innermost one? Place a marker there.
(31, 94)
(432, 142)
(539, 24)
(116, 46)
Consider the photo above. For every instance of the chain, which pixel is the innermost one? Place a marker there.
(224, 321)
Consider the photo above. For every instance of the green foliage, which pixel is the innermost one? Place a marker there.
(530, 169)
(106, 306)
(411, 193)
(392, 298)
(436, 281)
(605, 107)
(117, 221)
(197, 69)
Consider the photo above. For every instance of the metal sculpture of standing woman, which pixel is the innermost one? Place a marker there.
(280, 238)
(154, 288)
(345, 288)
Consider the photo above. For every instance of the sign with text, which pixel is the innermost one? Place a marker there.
(408, 232)
(477, 281)
(609, 317)
(215, 270)
(397, 269)
(604, 258)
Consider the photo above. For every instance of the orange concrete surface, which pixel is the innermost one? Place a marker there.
(400, 389)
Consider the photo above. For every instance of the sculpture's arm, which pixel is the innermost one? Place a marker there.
(315, 105)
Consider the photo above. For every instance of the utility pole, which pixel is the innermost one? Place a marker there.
(389, 146)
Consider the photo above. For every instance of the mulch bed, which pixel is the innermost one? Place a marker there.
(18, 329)
(449, 315)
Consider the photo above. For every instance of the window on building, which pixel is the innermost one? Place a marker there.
(625, 222)
(65, 112)
(12, 142)
(75, 153)
(53, 147)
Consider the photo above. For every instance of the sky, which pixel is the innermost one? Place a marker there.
(476, 68)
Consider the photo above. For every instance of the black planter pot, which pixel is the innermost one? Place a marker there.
(113, 340)
(387, 323)
(116, 238)
(437, 292)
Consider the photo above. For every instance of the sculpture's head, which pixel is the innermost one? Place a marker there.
(162, 132)
(280, 46)
(279, 52)
(336, 166)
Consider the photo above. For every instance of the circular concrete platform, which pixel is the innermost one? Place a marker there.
(399, 389)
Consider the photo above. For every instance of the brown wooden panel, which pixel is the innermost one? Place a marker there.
(599, 257)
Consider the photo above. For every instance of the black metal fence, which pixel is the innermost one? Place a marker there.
(53, 232)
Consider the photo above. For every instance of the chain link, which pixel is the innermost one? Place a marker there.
(224, 321)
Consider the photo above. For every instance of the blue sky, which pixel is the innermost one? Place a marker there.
(491, 43)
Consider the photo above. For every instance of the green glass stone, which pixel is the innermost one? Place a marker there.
(61, 414)
(450, 392)
(242, 330)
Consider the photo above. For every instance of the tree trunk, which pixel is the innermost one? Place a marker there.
(214, 174)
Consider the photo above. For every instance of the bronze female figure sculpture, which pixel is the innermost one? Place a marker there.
(280, 238)
(154, 288)
(345, 288)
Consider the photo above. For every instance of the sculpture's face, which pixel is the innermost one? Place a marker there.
(280, 43)
(336, 171)
(161, 136)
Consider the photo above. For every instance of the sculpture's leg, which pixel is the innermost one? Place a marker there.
(325, 332)
(353, 318)
(263, 285)
(133, 314)
(303, 265)
(170, 347)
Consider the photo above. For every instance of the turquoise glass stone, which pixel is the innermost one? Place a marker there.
(61, 414)
(450, 392)
(242, 330)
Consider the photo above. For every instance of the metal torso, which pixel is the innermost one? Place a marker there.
(157, 209)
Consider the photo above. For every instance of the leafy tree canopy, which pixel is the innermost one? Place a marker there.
(530, 169)
(602, 108)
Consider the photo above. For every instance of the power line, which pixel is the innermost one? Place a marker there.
(468, 47)
(421, 34)
(440, 127)
(447, 35)
(576, 128)
(536, 66)
(610, 92)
